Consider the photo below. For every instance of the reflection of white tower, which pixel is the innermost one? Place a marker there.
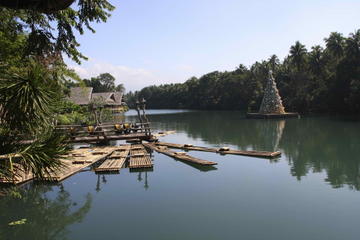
(279, 131)
(271, 132)
(271, 102)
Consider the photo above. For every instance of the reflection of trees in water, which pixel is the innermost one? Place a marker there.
(320, 144)
(47, 217)
(309, 144)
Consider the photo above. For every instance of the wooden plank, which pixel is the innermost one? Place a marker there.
(115, 161)
(139, 157)
(260, 154)
(182, 156)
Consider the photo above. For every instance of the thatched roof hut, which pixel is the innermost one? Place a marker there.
(83, 96)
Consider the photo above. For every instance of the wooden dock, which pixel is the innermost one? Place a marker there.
(84, 139)
(115, 161)
(139, 157)
(260, 154)
(178, 155)
(78, 160)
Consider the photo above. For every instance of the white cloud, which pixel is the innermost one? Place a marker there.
(132, 78)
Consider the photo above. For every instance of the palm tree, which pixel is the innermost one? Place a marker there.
(273, 62)
(352, 47)
(27, 98)
(316, 59)
(298, 54)
(335, 44)
(120, 88)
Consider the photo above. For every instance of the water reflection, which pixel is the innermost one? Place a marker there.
(309, 144)
(98, 182)
(142, 175)
(48, 211)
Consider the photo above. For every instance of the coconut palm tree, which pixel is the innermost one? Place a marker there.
(298, 54)
(352, 47)
(335, 44)
(316, 59)
(120, 88)
(273, 62)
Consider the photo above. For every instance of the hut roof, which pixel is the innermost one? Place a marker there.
(110, 98)
(81, 95)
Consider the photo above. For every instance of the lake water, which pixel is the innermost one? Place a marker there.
(311, 192)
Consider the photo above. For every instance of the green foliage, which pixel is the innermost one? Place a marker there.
(53, 32)
(320, 80)
(105, 82)
(26, 96)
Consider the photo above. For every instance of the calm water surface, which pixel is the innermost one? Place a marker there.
(311, 192)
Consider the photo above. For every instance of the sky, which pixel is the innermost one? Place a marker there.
(147, 42)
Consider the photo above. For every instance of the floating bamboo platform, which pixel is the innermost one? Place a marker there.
(115, 161)
(78, 160)
(260, 154)
(180, 156)
(139, 157)
(19, 177)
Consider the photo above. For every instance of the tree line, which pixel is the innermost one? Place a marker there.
(316, 80)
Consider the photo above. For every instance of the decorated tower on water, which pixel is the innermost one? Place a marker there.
(271, 102)
(271, 105)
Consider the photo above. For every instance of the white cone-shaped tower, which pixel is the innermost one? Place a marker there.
(271, 102)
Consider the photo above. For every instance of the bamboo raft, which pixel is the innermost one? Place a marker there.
(19, 177)
(77, 161)
(139, 157)
(178, 155)
(260, 154)
(115, 161)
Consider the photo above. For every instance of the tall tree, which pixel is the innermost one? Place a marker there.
(298, 54)
(105, 82)
(335, 44)
(120, 88)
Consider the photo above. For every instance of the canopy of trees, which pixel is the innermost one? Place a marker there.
(316, 80)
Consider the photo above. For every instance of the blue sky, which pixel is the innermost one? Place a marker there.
(149, 42)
